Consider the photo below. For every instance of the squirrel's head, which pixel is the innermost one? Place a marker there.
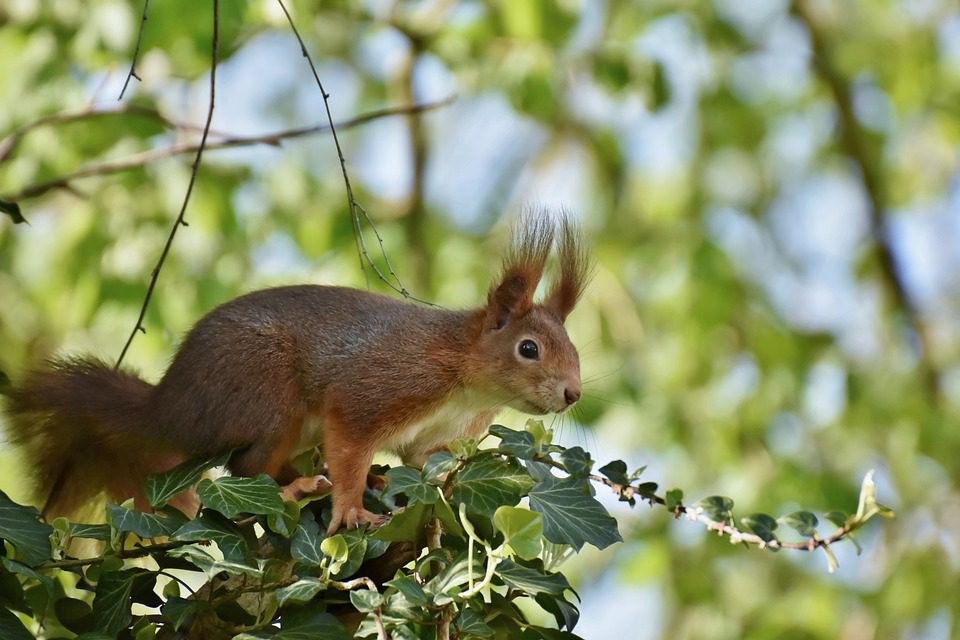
(526, 357)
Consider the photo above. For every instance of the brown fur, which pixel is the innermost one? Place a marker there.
(378, 372)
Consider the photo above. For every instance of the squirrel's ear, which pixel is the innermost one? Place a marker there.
(574, 272)
(512, 295)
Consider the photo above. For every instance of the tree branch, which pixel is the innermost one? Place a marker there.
(357, 213)
(227, 141)
(214, 56)
(855, 145)
(136, 51)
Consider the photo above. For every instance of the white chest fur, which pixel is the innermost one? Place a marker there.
(450, 420)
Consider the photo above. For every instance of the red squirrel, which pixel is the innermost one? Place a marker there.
(278, 371)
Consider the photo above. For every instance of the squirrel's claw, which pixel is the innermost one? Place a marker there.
(306, 486)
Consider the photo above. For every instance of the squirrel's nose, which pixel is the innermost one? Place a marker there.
(571, 394)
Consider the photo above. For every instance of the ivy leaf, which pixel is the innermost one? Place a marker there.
(91, 531)
(531, 580)
(517, 443)
(437, 464)
(674, 499)
(145, 525)
(356, 544)
(160, 488)
(804, 522)
(616, 472)
(212, 526)
(762, 525)
(305, 542)
(717, 508)
(577, 461)
(111, 606)
(410, 482)
(310, 623)
(180, 612)
(522, 530)
(566, 614)
(303, 590)
(838, 518)
(232, 496)
(472, 623)
(22, 527)
(365, 601)
(12, 209)
(11, 628)
(571, 515)
(490, 482)
(410, 589)
(405, 525)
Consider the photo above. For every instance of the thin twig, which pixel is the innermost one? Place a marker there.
(215, 51)
(855, 145)
(722, 528)
(136, 51)
(357, 212)
(137, 552)
(12, 140)
(141, 159)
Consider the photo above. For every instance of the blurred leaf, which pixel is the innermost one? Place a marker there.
(804, 522)
(22, 527)
(11, 628)
(717, 508)
(762, 525)
(12, 209)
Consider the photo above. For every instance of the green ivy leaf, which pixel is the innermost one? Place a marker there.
(839, 518)
(762, 525)
(213, 526)
(356, 541)
(804, 522)
(674, 499)
(410, 589)
(405, 525)
(310, 623)
(410, 483)
(232, 496)
(286, 523)
(111, 606)
(566, 614)
(490, 482)
(11, 628)
(472, 623)
(453, 576)
(90, 531)
(516, 443)
(22, 527)
(180, 612)
(522, 530)
(303, 590)
(438, 464)
(74, 614)
(616, 472)
(577, 462)
(160, 488)
(571, 515)
(531, 581)
(145, 525)
(365, 601)
(717, 508)
(305, 542)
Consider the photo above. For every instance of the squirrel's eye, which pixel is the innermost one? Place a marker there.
(529, 350)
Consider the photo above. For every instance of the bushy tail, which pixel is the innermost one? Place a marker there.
(85, 428)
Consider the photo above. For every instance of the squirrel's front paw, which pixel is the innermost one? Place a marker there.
(306, 486)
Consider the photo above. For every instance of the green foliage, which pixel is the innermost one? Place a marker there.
(446, 560)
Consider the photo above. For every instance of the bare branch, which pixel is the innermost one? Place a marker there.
(136, 51)
(357, 213)
(227, 141)
(214, 56)
(854, 143)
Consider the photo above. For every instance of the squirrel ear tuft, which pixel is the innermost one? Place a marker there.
(512, 296)
(574, 271)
